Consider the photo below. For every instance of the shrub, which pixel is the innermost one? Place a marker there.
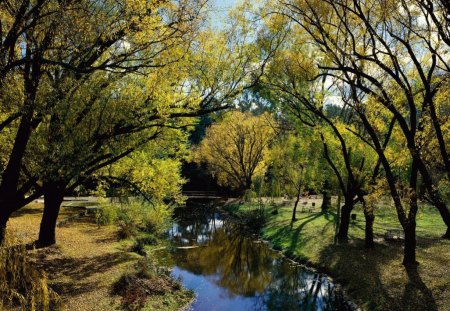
(106, 215)
(156, 218)
(249, 195)
(140, 243)
(146, 280)
(135, 216)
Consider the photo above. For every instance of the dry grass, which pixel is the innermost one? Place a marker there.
(84, 264)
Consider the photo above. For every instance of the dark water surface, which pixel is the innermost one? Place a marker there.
(230, 269)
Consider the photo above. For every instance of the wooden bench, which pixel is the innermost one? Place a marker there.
(90, 210)
(394, 235)
(307, 209)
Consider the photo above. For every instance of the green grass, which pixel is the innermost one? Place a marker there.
(374, 278)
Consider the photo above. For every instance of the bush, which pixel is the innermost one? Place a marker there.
(140, 243)
(136, 216)
(21, 284)
(147, 280)
(106, 215)
(157, 218)
(249, 195)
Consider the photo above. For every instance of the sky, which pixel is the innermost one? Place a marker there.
(224, 3)
(222, 7)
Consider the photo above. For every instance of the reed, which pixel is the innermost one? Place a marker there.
(21, 284)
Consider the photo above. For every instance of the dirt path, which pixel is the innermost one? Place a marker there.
(84, 263)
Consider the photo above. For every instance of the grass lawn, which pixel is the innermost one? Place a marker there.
(375, 279)
(86, 261)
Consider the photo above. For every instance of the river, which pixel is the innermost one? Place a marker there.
(230, 269)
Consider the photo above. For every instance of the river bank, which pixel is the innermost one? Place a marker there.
(88, 260)
(373, 279)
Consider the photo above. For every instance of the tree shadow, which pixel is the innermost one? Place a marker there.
(296, 236)
(70, 276)
(26, 211)
(375, 277)
(416, 292)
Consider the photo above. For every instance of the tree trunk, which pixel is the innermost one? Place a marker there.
(5, 213)
(294, 211)
(326, 202)
(409, 228)
(370, 218)
(345, 219)
(409, 256)
(443, 210)
(7, 207)
(53, 197)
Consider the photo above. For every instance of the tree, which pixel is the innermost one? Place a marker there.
(384, 51)
(294, 162)
(236, 148)
(63, 45)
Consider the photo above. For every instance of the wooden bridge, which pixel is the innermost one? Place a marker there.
(206, 195)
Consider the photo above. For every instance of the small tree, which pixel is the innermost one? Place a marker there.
(235, 148)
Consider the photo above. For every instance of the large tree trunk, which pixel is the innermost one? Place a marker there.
(409, 227)
(345, 219)
(5, 213)
(409, 256)
(370, 218)
(53, 197)
(8, 205)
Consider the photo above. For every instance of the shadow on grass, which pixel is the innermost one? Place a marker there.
(71, 275)
(26, 211)
(289, 235)
(374, 277)
(362, 270)
(299, 229)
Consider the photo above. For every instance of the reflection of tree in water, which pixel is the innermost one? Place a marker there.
(295, 288)
(234, 261)
(194, 228)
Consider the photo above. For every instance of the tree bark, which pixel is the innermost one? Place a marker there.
(370, 218)
(294, 211)
(53, 197)
(409, 256)
(5, 213)
(409, 227)
(345, 220)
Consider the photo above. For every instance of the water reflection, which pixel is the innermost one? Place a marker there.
(230, 270)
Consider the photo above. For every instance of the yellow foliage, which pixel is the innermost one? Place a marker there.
(236, 148)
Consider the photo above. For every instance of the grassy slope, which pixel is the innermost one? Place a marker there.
(85, 263)
(375, 278)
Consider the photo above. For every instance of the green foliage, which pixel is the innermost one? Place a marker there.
(444, 189)
(136, 216)
(106, 214)
(295, 163)
(249, 194)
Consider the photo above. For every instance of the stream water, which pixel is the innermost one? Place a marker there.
(230, 269)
